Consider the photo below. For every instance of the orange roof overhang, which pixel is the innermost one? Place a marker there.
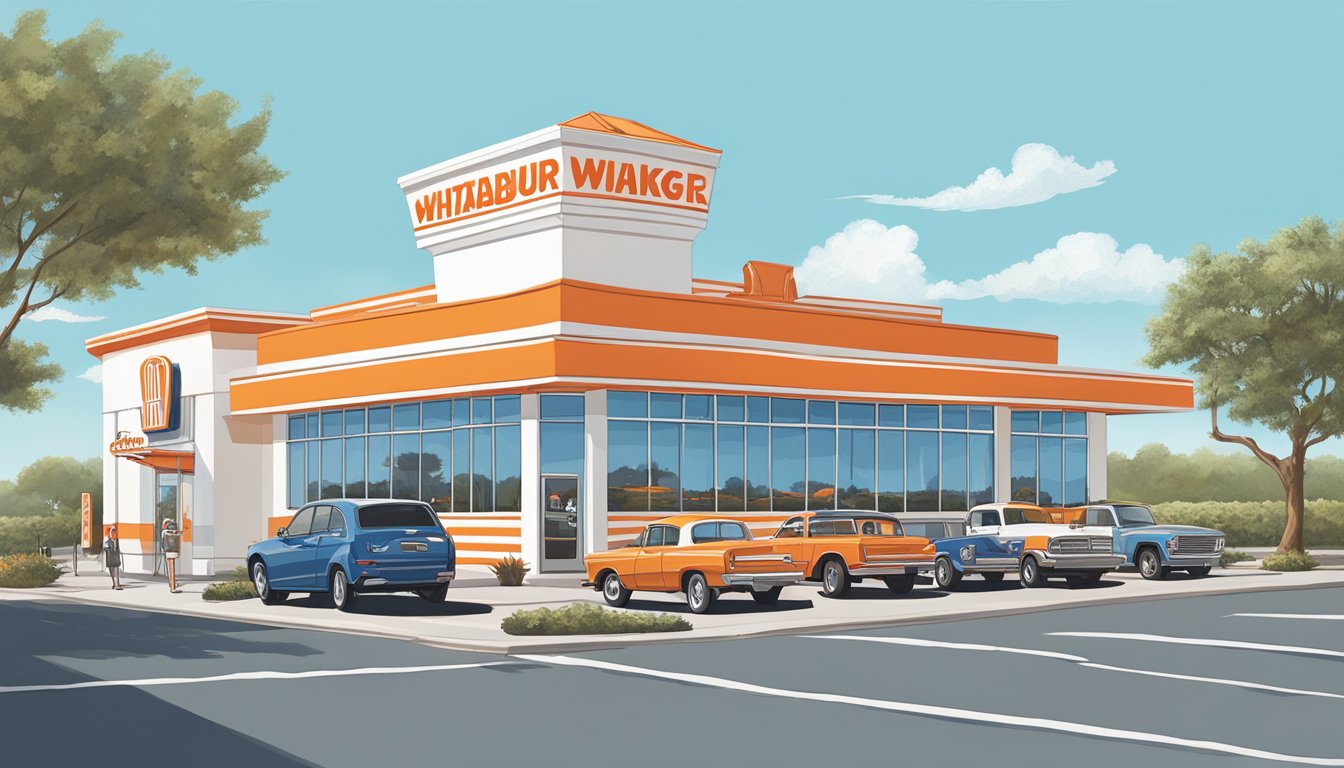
(163, 460)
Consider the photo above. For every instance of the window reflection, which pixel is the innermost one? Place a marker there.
(787, 459)
(921, 471)
(697, 467)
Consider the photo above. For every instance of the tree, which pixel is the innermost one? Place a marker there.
(52, 485)
(110, 167)
(1262, 329)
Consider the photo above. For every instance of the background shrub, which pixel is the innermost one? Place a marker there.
(229, 590)
(510, 571)
(1258, 523)
(1156, 475)
(27, 571)
(20, 534)
(1231, 556)
(590, 619)
(1291, 561)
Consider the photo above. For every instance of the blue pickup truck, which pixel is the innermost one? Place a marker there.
(1156, 550)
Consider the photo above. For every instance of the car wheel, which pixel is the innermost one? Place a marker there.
(1030, 573)
(834, 578)
(614, 592)
(342, 594)
(1150, 565)
(1199, 572)
(261, 581)
(433, 594)
(901, 585)
(993, 577)
(768, 596)
(699, 596)
(945, 574)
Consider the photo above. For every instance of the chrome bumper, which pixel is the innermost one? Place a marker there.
(899, 568)
(762, 581)
(1192, 561)
(1090, 561)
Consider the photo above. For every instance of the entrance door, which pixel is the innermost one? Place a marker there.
(561, 518)
(173, 501)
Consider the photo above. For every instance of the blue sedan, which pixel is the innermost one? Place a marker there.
(345, 547)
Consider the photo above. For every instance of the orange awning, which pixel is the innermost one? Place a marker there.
(161, 460)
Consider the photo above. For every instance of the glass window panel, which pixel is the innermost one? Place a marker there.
(1022, 468)
(891, 415)
(380, 419)
(1026, 421)
(406, 466)
(1075, 423)
(857, 414)
(1052, 422)
(732, 408)
(982, 417)
(758, 467)
(313, 488)
(628, 405)
(312, 425)
(296, 427)
(380, 466)
(954, 417)
(354, 468)
(821, 468)
(354, 421)
(732, 490)
(480, 410)
(890, 470)
(562, 448)
(758, 409)
(921, 417)
(664, 466)
(461, 412)
(699, 407)
(508, 410)
(1075, 471)
(1052, 472)
(627, 466)
(921, 469)
(405, 417)
(788, 455)
(296, 466)
(954, 472)
(462, 469)
(697, 465)
(482, 471)
(664, 405)
(508, 468)
(980, 459)
(857, 470)
(562, 407)
(820, 412)
(436, 466)
(437, 414)
(332, 454)
(785, 410)
(321, 519)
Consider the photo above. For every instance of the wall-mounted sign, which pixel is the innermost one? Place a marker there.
(127, 445)
(160, 385)
(86, 520)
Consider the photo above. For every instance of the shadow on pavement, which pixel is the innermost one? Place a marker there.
(864, 592)
(725, 605)
(393, 605)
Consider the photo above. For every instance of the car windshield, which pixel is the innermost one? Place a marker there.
(397, 516)
(1018, 516)
(1134, 517)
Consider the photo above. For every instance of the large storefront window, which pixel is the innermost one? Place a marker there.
(668, 452)
(1049, 458)
(460, 455)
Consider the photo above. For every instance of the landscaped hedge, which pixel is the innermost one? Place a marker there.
(589, 619)
(1258, 523)
(27, 571)
(20, 534)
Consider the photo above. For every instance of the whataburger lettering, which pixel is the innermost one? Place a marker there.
(125, 445)
(590, 176)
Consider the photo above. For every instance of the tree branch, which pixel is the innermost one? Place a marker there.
(1268, 458)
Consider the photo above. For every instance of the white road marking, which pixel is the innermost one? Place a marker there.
(951, 713)
(1216, 681)
(153, 681)
(921, 643)
(1294, 649)
(1317, 616)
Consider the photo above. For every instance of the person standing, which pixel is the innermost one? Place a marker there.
(112, 556)
(172, 547)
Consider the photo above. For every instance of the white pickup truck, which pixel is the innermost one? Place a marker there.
(1008, 536)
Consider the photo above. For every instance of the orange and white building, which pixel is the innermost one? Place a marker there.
(566, 378)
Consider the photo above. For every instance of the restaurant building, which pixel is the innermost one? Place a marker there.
(566, 379)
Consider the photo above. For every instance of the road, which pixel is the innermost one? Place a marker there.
(82, 685)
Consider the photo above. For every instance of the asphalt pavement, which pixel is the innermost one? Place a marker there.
(1182, 681)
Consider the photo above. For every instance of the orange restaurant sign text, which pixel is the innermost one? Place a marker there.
(127, 445)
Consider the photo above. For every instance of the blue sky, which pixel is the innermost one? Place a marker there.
(1221, 120)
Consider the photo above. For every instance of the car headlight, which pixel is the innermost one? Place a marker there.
(1218, 545)
(1171, 544)
(968, 553)
(383, 548)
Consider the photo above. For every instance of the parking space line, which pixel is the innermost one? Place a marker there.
(1316, 616)
(148, 682)
(921, 643)
(950, 713)
(1216, 681)
(1206, 642)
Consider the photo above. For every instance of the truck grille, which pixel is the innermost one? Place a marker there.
(1079, 544)
(1196, 545)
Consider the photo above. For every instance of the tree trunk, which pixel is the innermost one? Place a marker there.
(1295, 504)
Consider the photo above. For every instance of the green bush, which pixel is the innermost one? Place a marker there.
(20, 534)
(1231, 556)
(1289, 561)
(510, 571)
(229, 590)
(590, 619)
(27, 571)
(1258, 523)
(239, 574)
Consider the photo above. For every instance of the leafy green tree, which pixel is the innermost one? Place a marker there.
(1156, 475)
(110, 167)
(52, 485)
(1262, 329)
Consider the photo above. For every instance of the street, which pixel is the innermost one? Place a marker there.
(1114, 685)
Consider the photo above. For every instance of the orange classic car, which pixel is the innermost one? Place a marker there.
(839, 548)
(696, 554)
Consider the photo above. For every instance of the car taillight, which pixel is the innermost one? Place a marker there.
(366, 562)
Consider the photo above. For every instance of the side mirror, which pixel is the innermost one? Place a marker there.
(282, 533)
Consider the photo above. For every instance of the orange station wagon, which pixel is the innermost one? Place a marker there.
(696, 554)
(839, 548)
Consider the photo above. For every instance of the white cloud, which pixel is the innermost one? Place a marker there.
(1038, 173)
(869, 260)
(94, 374)
(61, 316)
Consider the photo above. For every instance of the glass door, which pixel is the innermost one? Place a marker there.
(561, 521)
(173, 501)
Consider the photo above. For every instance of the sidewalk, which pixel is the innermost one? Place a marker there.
(470, 620)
